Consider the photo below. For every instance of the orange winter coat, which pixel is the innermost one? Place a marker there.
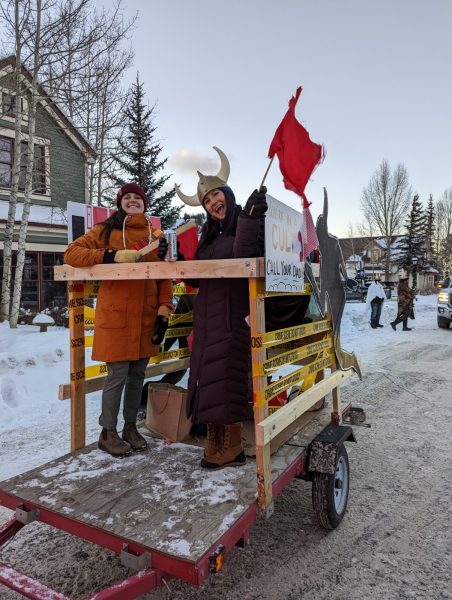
(125, 309)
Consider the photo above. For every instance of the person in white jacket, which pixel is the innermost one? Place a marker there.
(375, 298)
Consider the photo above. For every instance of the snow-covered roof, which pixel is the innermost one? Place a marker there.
(47, 215)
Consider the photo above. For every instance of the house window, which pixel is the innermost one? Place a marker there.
(6, 161)
(6, 164)
(9, 104)
(53, 292)
(375, 256)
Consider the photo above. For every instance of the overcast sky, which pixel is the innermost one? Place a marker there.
(376, 78)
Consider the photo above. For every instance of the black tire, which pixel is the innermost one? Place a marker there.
(443, 323)
(330, 492)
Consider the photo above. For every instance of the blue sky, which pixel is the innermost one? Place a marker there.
(376, 84)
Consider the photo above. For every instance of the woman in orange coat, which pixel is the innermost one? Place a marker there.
(131, 315)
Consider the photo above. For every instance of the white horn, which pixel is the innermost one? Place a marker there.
(225, 168)
(190, 200)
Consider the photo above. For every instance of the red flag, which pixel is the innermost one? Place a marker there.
(309, 239)
(298, 155)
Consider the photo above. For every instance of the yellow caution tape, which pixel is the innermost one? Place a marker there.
(176, 332)
(287, 358)
(264, 396)
(181, 318)
(91, 288)
(102, 369)
(274, 338)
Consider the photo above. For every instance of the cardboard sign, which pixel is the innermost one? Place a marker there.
(284, 269)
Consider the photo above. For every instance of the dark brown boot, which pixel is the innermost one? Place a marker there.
(213, 440)
(136, 440)
(230, 453)
(109, 441)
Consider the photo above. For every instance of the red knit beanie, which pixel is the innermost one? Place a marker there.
(131, 188)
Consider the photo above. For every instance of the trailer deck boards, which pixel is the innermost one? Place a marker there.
(160, 499)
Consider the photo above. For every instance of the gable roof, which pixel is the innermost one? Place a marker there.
(357, 246)
(8, 64)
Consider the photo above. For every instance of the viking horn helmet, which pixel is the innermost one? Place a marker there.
(207, 183)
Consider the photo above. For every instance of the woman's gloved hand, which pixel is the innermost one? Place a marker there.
(163, 248)
(256, 205)
(161, 325)
(121, 256)
(180, 256)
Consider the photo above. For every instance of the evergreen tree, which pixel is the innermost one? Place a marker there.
(411, 247)
(200, 218)
(430, 230)
(139, 157)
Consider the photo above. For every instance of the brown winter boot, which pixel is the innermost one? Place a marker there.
(230, 451)
(109, 441)
(213, 440)
(136, 440)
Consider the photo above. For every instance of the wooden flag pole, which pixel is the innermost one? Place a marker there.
(266, 172)
(264, 178)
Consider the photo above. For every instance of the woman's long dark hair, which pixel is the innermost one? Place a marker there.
(114, 221)
(213, 227)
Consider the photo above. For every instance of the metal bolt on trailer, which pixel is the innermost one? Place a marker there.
(319, 457)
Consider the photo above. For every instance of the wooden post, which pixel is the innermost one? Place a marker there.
(258, 355)
(77, 363)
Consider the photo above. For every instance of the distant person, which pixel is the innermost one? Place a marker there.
(131, 315)
(375, 298)
(405, 303)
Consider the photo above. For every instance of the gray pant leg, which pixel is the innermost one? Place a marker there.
(111, 394)
(134, 387)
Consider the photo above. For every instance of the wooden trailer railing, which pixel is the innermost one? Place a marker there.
(309, 346)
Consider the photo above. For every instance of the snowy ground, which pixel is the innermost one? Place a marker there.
(395, 541)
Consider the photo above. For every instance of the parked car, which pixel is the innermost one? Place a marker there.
(444, 307)
(354, 290)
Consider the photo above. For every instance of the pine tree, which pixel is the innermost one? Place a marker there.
(139, 157)
(411, 247)
(200, 218)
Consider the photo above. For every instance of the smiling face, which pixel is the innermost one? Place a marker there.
(132, 204)
(215, 204)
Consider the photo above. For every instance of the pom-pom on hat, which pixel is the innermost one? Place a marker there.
(132, 188)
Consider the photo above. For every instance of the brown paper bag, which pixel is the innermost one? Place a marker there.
(166, 411)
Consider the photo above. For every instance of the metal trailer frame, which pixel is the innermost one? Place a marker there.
(154, 567)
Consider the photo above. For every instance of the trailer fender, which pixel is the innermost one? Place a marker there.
(324, 447)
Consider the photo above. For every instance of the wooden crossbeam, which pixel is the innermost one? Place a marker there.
(273, 425)
(190, 269)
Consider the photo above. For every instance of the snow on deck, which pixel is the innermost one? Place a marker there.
(160, 499)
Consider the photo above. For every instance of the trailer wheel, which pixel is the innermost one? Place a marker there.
(330, 492)
(443, 323)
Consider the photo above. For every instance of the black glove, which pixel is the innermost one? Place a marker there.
(161, 325)
(256, 205)
(163, 248)
(109, 257)
(180, 256)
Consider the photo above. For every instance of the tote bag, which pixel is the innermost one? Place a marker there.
(166, 411)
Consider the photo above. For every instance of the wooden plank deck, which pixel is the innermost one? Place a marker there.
(160, 499)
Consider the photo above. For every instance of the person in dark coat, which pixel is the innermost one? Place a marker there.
(220, 386)
(405, 303)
